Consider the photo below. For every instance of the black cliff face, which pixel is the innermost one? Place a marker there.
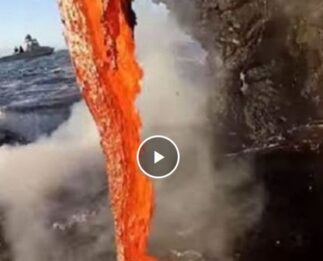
(266, 58)
(266, 62)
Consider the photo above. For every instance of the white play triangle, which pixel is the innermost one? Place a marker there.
(157, 157)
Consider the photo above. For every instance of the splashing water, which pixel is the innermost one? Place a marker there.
(100, 39)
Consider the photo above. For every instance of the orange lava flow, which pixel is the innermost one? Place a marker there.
(99, 34)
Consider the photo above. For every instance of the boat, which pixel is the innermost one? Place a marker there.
(33, 50)
(34, 53)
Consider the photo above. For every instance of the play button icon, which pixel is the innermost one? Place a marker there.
(158, 157)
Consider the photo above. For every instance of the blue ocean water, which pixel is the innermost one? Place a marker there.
(36, 96)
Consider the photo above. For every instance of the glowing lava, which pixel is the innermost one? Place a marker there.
(100, 38)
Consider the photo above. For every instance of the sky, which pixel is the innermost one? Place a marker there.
(40, 18)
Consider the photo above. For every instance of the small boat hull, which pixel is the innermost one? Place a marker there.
(41, 51)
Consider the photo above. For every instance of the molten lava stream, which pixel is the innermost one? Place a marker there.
(99, 34)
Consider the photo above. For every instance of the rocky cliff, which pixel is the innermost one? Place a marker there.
(266, 61)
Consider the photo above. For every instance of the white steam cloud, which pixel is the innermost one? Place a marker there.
(200, 210)
(31, 178)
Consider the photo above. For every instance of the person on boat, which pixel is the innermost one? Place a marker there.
(21, 50)
(16, 50)
(31, 43)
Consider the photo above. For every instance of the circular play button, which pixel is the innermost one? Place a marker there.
(158, 157)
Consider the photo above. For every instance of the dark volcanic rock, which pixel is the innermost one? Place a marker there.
(267, 62)
(266, 58)
(291, 227)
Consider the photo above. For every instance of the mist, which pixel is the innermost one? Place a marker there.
(46, 189)
(201, 210)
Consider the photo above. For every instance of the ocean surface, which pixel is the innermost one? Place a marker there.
(35, 96)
